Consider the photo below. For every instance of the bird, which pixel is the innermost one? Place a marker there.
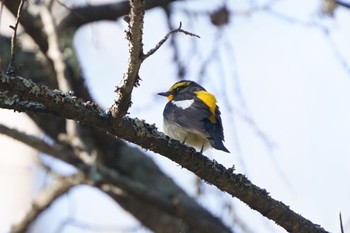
(192, 116)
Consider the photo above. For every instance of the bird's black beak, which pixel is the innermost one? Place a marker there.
(167, 93)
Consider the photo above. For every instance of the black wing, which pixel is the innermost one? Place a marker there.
(216, 132)
(197, 117)
(192, 118)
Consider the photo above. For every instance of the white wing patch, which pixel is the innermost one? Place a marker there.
(183, 103)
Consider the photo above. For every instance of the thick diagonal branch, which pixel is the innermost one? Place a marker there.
(148, 137)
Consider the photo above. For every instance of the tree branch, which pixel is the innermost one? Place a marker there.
(148, 137)
(162, 41)
(31, 24)
(79, 16)
(46, 197)
(12, 64)
(102, 177)
(344, 4)
(131, 78)
(173, 205)
(136, 57)
(341, 223)
(54, 52)
(76, 17)
(57, 150)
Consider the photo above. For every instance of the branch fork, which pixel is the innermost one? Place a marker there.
(131, 78)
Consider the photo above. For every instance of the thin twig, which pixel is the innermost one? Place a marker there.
(11, 66)
(46, 197)
(175, 47)
(344, 4)
(341, 223)
(1, 43)
(162, 41)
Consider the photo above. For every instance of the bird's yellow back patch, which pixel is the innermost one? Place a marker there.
(179, 84)
(209, 100)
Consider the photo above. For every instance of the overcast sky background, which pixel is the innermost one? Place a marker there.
(283, 87)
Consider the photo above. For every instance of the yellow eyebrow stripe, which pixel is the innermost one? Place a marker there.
(210, 101)
(180, 84)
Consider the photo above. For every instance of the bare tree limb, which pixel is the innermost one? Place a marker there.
(76, 17)
(31, 24)
(104, 177)
(131, 77)
(57, 150)
(11, 66)
(56, 56)
(343, 4)
(181, 68)
(162, 41)
(46, 197)
(81, 15)
(148, 137)
(173, 205)
(136, 57)
(54, 52)
(341, 223)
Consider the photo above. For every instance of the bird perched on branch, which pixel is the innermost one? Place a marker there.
(192, 116)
